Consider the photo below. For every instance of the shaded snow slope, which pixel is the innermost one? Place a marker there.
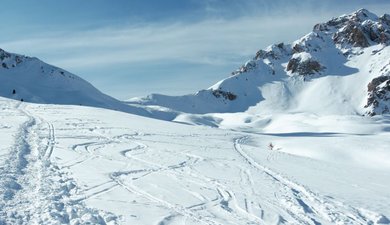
(32, 80)
(325, 72)
(29, 79)
(97, 166)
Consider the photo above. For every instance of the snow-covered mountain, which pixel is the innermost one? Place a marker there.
(302, 153)
(29, 79)
(341, 67)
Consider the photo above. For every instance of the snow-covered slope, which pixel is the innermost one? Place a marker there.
(98, 166)
(341, 67)
(29, 79)
(32, 80)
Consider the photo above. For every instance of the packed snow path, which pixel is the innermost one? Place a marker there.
(79, 165)
(33, 190)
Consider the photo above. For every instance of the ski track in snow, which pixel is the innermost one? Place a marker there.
(35, 191)
(305, 206)
(241, 190)
(194, 212)
(115, 176)
(300, 205)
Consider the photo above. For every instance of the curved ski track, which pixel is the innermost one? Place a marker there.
(304, 206)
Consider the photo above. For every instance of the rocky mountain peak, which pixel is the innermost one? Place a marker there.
(342, 63)
(339, 37)
(359, 29)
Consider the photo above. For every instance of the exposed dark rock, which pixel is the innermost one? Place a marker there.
(18, 60)
(336, 22)
(351, 34)
(385, 19)
(225, 94)
(377, 33)
(280, 45)
(297, 49)
(248, 66)
(272, 54)
(4, 54)
(262, 54)
(321, 27)
(360, 29)
(373, 35)
(307, 67)
(378, 100)
(8, 60)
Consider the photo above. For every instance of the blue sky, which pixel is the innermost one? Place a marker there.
(130, 48)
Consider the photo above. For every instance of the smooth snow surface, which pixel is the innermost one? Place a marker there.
(83, 165)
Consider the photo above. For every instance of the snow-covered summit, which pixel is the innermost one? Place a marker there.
(359, 29)
(327, 71)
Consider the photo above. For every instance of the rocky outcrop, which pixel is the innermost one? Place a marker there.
(297, 49)
(9, 60)
(4, 55)
(273, 52)
(304, 68)
(224, 94)
(303, 64)
(351, 34)
(361, 29)
(378, 101)
(248, 66)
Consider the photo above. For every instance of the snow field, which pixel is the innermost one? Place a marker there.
(121, 168)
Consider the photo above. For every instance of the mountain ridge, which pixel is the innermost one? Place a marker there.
(341, 67)
(334, 52)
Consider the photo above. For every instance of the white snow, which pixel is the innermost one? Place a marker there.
(101, 166)
(288, 149)
(302, 56)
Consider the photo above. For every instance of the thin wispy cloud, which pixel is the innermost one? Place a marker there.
(212, 39)
(205, 42)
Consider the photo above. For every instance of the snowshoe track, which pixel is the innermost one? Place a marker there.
(35, 191)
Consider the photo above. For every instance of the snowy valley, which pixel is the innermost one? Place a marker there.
(300, 134)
